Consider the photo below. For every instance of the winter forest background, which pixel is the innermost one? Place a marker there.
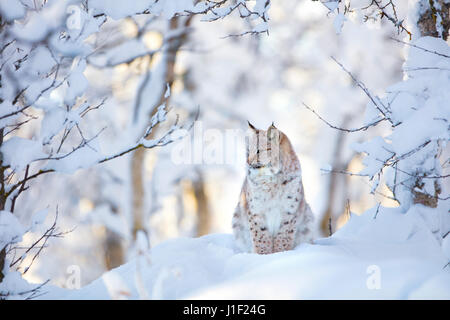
(120, 125)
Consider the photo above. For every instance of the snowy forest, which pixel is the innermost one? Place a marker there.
(123, 146)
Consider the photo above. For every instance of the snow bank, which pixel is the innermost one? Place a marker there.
(383, 254)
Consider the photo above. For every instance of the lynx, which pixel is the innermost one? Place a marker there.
(272, 214)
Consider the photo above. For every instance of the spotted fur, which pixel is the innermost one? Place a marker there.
(272, 214)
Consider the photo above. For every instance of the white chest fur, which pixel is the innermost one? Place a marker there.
(274, 197)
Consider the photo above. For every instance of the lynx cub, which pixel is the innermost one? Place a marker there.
(272, 214)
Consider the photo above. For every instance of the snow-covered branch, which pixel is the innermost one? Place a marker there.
(47, 102)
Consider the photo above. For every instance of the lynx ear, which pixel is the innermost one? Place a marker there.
(272, 131)
(251, 126)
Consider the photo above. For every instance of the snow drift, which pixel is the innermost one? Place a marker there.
(382, 254)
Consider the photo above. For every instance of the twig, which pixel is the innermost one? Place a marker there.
(21, 189)
(349, 213)
(421, 48)
(376, 212)
(363, 128)
(367, 92)
(345, 172)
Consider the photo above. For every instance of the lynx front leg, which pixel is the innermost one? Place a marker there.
(262, 239)
(284, 239)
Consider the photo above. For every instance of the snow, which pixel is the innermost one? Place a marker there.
(11, 230)
(419, 58)
(261, 7)
(446, 247)
(19, 152)
(421, 100)
(7, 108)
(168, 8)
(118, 9)
(402, 139)
(435, 288)
(382, 254)
(331, 5)
(201, 7)
(117, 288)
(339, 22)
(35, 90)
(124, 52)
(14, 286)
(40, 23)
(52, 123)
(11, 9)
(167, 93)
(418, 109)
(261, 27)
(385, 253)
(102, 216)
(38, 219)
(84, 157)
(373, 164)
(76, 83)
(41, 61)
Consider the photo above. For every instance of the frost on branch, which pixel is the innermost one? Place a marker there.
(19, 259)
(408, 158)
(46, 98)
(433, 18)
(418, 110)
(215, 10)
(370, 10)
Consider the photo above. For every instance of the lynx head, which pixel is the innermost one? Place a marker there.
(263, 150)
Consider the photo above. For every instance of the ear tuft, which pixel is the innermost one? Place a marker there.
(272, 131)
(251, 126)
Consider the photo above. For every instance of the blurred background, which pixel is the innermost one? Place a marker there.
(228, 80)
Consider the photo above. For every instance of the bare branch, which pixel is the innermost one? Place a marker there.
(51, 232)
(21, 189)
(363, 128)
(392, 18)
(420, 48)
(375, 100)
(345, 172)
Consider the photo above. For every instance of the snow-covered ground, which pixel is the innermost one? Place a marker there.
(382, 254)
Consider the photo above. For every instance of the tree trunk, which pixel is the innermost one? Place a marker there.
(137, 161)
(203, 209)
(2, 205)
(2, 263)
(430, 18)
(436, 14)
(424, 198)
(328, 223)
(114, 253)
(137, 172)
